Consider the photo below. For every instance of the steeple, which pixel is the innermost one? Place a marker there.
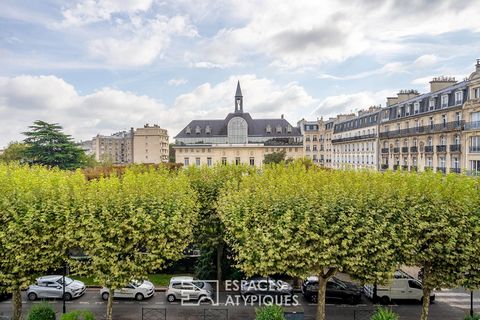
(238, 99)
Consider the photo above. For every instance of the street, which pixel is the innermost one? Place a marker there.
(449, 305)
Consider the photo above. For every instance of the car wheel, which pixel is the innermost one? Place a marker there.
(385, 300)
(32, 296)
(201, 298)
(139, 297)
(67, 296)
(171, 298)
(105, 296)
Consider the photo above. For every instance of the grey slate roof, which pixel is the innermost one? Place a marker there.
(256, 127)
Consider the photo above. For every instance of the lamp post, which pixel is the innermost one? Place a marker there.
(471, 303)
(63, 285)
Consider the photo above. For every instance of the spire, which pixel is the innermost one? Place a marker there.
(238, 99)
(239, 91)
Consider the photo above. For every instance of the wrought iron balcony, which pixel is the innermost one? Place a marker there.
(442, 148)
(396, 166)
(473, 125)
(396, 150)
(441, 169)
(414, 149)
(428, 149)
(455, 148)
(439, 127)
(355, 138)
(455, 170)
(384, 150)
(404, 149)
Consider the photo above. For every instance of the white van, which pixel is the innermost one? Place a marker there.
(402, 287)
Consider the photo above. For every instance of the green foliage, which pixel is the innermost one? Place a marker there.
(474, 317)
(43, 311)
(272, 312)
(131, 225)
(384, 314)
(48, 145)
(275, 157)
(171, 153)
(15, 152)
(78, 315)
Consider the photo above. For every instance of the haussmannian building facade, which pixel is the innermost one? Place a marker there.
(471, 115)
(355, 141)
(237, 139)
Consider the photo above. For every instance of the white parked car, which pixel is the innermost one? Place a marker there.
(188, 288)
(402, 287)
(52, 287)
(137, 290)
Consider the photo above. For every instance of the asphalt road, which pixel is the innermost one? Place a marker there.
(155, 307)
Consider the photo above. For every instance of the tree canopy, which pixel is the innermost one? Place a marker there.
(15, 152)
(49, 146)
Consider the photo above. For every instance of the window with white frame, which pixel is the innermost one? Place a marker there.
(209, 162)
(443, 140)
(186, 162)
(456, 139)
(458, 97)
(197, 161)
(429, 162)
(444, 100)
(441, 162)
(416, 107)
(431, 104)
(429, 141)
(444, 120)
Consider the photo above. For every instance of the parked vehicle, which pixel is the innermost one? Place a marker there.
(137, 290)
(52, 287)
(337, 290)
(402, 287)
(265, 286)
(188, 288)
(3, 294)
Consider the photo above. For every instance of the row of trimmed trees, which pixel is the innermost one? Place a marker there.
(293, 219)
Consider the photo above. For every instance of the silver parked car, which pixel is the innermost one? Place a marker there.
(188, 288)
(137, 290)
(52, 287)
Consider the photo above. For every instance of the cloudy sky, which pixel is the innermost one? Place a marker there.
(100, 66)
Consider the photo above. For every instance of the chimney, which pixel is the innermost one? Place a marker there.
(391, 101)
(282, 116)
(477, 66)
(442, 82)
(406, 94)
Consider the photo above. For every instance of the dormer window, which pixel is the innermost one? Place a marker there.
(416, 107)
(269, 129)
(207, 130)
(198, 130)
(444, 100)
(458, 97)
(279, 129)
(289, 129)
(189, 130)
(431, 104)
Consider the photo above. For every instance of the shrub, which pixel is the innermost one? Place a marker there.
(42, 311)
(384, 314)
(78, 315)
(273, 312)
(474, 317)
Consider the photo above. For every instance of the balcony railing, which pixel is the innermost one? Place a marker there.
(362, 137)
(473, 125)
(455, 147)
(474, 149)
(455, 170)
(414, 149)
(404, 149)
(428, 149)
(396, 150)
(441, 169)
(405, 168)
(439, 127)
(384, 166)
(384, 150)
(396, 166)
(442, 148)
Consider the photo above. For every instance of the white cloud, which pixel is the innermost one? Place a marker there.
(88, 11)
(387, 69)
(348, 103)
(177, 82)
(304, 32)
(25, 99)
(141, 41)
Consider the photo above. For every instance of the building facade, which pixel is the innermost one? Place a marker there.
(311, 139)
(471, 115)
(237, 139)
(150, 145)
(355, 141)
(424, 131)
(116, 148)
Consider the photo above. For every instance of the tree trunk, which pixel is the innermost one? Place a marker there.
(425, 303)
(17, 304)
(322, 289)
(109, 304)
(219, 261)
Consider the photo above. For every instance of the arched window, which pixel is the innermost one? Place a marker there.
(237, 130)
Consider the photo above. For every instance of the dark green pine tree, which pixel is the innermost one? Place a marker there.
(49, 146)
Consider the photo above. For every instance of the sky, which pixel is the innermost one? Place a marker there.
(102, 66)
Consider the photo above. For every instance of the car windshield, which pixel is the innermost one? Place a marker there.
(136, 283)
(67, 281)
(199, 284)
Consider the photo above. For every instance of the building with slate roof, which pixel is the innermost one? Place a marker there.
(238, 138)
